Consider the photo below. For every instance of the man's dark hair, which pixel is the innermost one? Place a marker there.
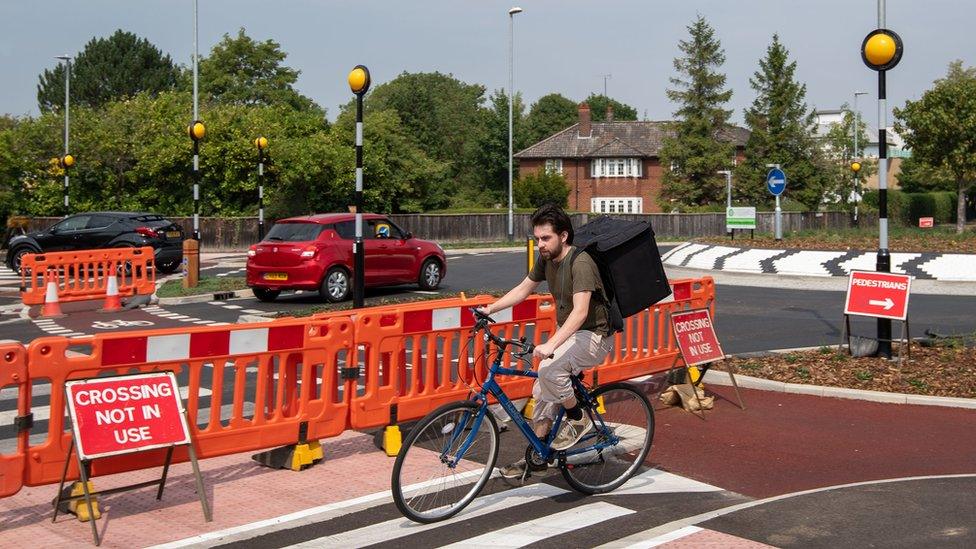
(551, 214)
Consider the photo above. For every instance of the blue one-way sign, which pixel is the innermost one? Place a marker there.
(776, 181)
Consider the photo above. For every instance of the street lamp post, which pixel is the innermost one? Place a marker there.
(261, 143)
(728, 190)
(511, 101)
(857, 153)
(881, 50)
(66, 158)
(359, 84)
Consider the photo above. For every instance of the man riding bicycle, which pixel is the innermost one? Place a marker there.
(582, 338)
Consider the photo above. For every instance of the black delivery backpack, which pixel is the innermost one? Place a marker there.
(630, 264)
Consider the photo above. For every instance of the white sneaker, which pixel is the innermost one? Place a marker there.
(571, 432)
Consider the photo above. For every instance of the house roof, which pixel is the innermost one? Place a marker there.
(615, 139)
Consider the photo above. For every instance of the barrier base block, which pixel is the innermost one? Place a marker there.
(600, 408)
(78, 507)
(392, 439)
(529, 408)
(293, 456)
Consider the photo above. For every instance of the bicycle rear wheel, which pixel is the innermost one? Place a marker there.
(627, 421)
(426, 486)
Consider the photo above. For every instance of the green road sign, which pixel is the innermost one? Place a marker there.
(740, 218)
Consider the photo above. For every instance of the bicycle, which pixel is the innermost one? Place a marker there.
(450, 454)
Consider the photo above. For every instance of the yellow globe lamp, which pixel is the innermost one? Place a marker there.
(359, 80)
(881, 49)
(67, 161)
(261, 143)
(855, 167)
(197, 130)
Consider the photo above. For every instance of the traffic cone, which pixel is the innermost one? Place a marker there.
(112, 300)
(51, 306)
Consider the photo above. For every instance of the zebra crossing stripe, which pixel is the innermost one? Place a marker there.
(534, 531)
(401, 527)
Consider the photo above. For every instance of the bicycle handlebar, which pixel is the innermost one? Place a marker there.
(482, 324)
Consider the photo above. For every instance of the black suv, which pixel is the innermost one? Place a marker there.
(88, 231)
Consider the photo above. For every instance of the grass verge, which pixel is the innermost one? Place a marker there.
(174, 288)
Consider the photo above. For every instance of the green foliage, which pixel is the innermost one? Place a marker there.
(693, 146)
(839, 153)
(550, 114)
(906, 208)
(598, 108)
(939, 128)
(916, 176)
(243, 71)
(536, 189)
(782, 133)
(491, 156)
(864, 375)
(108, 69)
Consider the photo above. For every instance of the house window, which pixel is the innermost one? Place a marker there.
(554, 165)
(617, 204)
(616, 167)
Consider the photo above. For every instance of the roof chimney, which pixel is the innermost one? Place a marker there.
(585, 125)
(609, 112)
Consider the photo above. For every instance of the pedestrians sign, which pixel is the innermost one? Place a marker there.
(123, 414)
(882, 295)
(740, 218)
(776, 181)
(696, 337)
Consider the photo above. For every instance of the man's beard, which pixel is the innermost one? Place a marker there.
(552, 253)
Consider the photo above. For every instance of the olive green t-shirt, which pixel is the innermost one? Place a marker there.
(585, 277)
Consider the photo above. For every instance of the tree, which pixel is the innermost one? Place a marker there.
(243, 71)
(782, 133)
(598, 108)
(491, 160)
(940, 127)
(917, 176)
(550, 114)
(107, 69)
(694, 146)
(535, 189)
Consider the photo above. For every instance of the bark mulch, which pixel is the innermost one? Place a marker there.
(947, 369)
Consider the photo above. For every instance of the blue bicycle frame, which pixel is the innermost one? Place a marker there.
(605, 437)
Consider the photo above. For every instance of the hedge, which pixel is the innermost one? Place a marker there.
(906, 208)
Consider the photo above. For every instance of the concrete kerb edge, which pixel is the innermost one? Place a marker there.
(721, 378)
(202, 298)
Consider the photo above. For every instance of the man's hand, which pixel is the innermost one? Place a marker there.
(484, 310)
(543, 351)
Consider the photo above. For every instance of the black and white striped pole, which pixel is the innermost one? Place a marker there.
(359, 83)
(881, 51)
(261, 143)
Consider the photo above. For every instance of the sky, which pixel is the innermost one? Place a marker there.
(563, 46)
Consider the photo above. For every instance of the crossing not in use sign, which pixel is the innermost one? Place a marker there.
(882, 295)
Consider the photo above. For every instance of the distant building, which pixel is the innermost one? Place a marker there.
(612, 166)
(896, 145)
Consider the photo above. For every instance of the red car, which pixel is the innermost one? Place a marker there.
(315, 253)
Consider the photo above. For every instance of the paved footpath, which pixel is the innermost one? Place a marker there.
(706, 485)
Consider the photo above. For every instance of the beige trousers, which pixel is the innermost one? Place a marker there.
(583, 350)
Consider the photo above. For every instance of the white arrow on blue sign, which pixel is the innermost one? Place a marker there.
(776, 181)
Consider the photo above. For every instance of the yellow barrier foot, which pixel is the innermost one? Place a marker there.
(392, 440)
(293, 456)
(78, 507)
(600, 408)
(529, 408)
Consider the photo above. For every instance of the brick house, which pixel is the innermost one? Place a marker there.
(612, 166)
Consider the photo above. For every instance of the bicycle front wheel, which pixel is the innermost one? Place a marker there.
(623, 428)
(431, 481)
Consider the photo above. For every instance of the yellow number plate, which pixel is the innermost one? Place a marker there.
(275, 276)
(172, 234)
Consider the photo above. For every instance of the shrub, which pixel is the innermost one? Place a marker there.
(536, 189)
(907, 208)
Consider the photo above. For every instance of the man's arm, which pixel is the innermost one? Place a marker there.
(581, 307)
(515, 296)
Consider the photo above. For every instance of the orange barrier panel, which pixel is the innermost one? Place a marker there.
(83, 274)
(420, 356)
(647, 346)
(13, 374)
(247, 387)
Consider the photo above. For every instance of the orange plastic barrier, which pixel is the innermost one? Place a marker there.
(420, 356)
(83, 274)
(247, 387)
(13, 377)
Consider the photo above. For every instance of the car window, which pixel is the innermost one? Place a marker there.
(382, 228)
(75, 223)
(346, 230)
(100, 221)
(295, 232)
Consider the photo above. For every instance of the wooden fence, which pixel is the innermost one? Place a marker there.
(226, 234)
